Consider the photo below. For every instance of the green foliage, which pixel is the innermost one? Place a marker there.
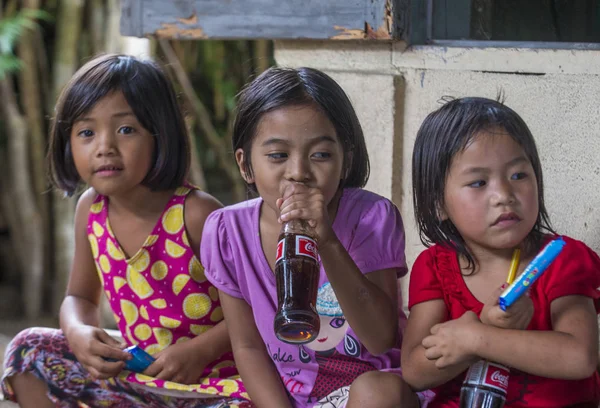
(217, 69)
(11, 29)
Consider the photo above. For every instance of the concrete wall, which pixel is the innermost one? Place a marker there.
(557, 92)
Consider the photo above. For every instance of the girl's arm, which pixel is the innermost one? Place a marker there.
(569, 351)
(79, 314)
(420, 372)
(261, 378)
(369, 302)
(80, 306)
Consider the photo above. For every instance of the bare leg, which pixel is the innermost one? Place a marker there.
(30, 391)
(377, 389)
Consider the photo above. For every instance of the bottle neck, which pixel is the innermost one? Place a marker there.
(298, 227)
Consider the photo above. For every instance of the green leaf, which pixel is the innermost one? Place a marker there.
(9, 63)
(11, 29)
(230, 90)
(34, 14)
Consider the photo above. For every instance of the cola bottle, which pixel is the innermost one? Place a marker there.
(297, 276)
(485, 385)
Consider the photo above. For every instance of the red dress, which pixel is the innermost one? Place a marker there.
(576, 271)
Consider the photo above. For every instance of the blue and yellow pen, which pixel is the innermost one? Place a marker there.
(533, 271)
(514, 265)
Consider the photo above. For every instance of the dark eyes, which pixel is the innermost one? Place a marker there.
(126, 130)
(317, 155)
(277, 156)
(481, 183)
(85, 133)
(477, 184)
(337, 322)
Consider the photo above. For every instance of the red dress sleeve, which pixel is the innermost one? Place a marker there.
(425, 282)
(576, 271)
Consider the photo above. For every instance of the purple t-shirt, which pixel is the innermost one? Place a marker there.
(318, 373)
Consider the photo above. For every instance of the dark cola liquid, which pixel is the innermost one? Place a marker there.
(297, 279)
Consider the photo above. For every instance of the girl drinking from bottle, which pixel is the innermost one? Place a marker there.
(479, 195)
(119, 130)
(299, 145)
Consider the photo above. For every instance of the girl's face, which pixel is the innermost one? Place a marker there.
(491, 193)
(332, 332)
(294, 144)
(111, 150)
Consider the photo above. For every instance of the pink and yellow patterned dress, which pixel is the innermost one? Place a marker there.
(160, 295)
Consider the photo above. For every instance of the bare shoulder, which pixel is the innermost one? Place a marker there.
(87, 198)
(84, 204)
(198, 206)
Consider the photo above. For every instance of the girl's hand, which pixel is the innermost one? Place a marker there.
(450, 343)
(518, 316)
(305, 203)
(92, 346)
(180, 363)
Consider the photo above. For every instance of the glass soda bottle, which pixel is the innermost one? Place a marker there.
(485, 385)
(297, 276)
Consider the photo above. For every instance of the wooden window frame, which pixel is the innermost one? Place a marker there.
(421, 30)
(270, 19)
(410, 21)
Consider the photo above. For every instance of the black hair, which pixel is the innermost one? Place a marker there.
(446, 132)
(282, 87)
(154, 103)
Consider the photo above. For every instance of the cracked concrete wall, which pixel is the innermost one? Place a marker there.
(393, 88)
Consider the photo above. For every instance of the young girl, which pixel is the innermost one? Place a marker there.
(478, 195)
(299, 145)
(118, 129)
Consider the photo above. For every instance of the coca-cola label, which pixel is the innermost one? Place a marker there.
(306, 246)
(489, 374)
(280, 250)
(496, 376)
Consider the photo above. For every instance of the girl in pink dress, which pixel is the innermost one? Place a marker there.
(118, 130)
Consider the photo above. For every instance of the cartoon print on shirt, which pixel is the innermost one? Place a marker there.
(279, 356)
(336, 370)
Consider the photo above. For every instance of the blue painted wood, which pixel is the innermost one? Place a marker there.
(272, 19)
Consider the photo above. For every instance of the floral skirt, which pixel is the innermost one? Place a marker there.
(45, 353)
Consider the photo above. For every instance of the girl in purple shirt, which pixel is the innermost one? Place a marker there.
(298, 144)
